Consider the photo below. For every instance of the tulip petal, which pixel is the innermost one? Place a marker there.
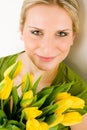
(77, 102)
(32, 112)
(71, 118)
(33, 124)
(13, 70)
(44, 126)
(6, 89)
(62, 95)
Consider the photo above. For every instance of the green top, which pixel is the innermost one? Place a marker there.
(65, 74)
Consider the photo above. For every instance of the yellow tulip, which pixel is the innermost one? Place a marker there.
(62, 95)
(24, 80)
(44, 126)
(57, 121)
(28, 95)
(27, 98)
(31, 112)
(31, 80)
(63, 105)
(14, 69)
(5, 88)
(77, 102)
(66, 101)
(33, 124)
(71, 118)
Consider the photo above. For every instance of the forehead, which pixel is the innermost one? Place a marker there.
(45, 15)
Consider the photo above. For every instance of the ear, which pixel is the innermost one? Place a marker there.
(74, 36)
(21, 33)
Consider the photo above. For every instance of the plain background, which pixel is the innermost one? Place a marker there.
(10, 41)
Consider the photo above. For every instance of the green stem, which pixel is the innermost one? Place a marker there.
(2, 104)
(22, 117)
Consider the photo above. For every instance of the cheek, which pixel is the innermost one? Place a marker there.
(29, 43)
(65, 45)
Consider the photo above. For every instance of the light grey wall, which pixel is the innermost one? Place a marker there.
(77, 58)
(10, 37)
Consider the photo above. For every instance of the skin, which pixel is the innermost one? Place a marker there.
(47, 43)
(48, 37)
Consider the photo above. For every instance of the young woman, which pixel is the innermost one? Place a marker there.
(48, 29)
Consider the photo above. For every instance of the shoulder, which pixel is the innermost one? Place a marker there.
(67, 74)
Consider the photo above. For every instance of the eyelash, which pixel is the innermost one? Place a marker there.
(62, 34)
(38, 33)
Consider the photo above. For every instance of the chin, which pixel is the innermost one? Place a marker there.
(43, 67)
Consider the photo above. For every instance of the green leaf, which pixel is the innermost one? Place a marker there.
(3, 122)
(81, 111)
(51, 118)
(15, 125)
(26, 102)
(5, 62)
(13, 70)
(41, 119)
(40, 102)
(15, 128)
(45, 91)
(34, 99)
(22, 125)
(2, 116)
(15, 99)
(1, 86)
(62, 88)
(12, 127)
(3, 128)
(13, 122)
(54, 128)
(27, 85)
(36, 85)
(49, 109)
(60, 127)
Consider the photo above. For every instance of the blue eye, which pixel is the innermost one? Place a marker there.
(36, 32)
(62, 34)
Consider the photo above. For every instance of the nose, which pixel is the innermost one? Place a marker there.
(47, 45)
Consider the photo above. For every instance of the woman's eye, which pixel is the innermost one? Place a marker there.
(36, 32)
(62, 34)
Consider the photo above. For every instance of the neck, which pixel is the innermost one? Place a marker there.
(46, 76)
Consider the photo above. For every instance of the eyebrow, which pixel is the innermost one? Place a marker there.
(60, 30)
(65, 30)
(35, 28)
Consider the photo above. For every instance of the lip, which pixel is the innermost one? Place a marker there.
(46, 59)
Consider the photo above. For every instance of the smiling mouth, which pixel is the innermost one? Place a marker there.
(46, 59)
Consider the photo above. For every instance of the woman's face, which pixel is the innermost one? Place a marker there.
(47, 35)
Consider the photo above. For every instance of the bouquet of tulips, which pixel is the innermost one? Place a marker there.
(47, 109)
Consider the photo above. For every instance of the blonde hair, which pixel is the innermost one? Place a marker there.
(71, 6)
